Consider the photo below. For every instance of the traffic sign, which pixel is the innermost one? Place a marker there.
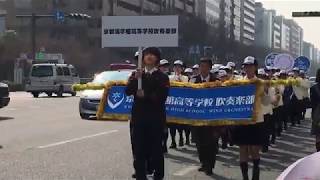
(283, 62)
(303, 63)
(269, 61)
(59, 16)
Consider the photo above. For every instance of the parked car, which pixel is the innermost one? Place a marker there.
(4, 95)
(52, 78)
(90, 99)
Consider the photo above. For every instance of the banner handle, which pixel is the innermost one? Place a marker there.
(140, 67)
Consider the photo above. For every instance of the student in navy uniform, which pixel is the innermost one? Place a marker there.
(206, 137)
(148, 114)
(149, 167)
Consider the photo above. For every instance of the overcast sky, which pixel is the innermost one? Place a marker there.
(310, 25)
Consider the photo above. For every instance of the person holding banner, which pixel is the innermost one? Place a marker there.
(148, 115)
(250, 138)
(177, 76)
(206, 137)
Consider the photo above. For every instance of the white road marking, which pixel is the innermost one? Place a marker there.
(77, 139)
(186, 170)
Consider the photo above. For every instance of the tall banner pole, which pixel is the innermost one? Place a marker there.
(140, 67)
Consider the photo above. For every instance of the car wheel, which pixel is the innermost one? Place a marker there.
(85, 116)
(60, 92)
(73, 94)
(35, 94)
(49, 94)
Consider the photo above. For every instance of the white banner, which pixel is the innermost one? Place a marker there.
(140, 31)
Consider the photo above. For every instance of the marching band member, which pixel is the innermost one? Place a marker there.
(250, 138)
(279, 105)
(177, 76)
(195, 70)
(305, 95)
(206, 137)
(164, 66)
(287, 91)
(148, 114)
(297, 97)
(188, 72)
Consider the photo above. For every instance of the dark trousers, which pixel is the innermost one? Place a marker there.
(148, 165)
(285, 115)
(147, 140)
(267, 129)
(207, 146)
(278, 120)
(173, 131)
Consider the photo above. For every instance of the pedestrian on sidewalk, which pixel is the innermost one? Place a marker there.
(148, 115)
(315, 104)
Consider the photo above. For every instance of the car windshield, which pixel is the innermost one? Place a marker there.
(112, 76)
(42, 71)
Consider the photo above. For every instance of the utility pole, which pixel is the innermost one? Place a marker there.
(142, 7)
(33, 35)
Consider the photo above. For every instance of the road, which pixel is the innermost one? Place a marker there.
(45, 139)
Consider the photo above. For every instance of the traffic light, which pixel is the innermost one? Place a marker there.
(79, 16)
(306, 14)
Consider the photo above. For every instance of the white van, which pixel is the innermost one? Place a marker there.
(52, 78)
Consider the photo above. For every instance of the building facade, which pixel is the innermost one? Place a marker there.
(296, 38)
(308, 50)
(247, 30)
(3, 13)
(227, 10)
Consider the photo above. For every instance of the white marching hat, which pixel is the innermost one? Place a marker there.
(196, 66)
(261, 71)
(178, 62)
(296, 69)
(136, 54)
(188, 70)
(249, 61)
(163, 62)
(231, 64)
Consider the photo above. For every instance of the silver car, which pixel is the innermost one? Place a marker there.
(90, 99)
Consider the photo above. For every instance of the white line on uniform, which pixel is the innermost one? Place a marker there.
(185, 171)
(76, 139)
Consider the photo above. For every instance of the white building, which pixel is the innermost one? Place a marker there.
(264, 26)
(296, 38)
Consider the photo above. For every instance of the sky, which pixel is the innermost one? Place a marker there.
(310, 25)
